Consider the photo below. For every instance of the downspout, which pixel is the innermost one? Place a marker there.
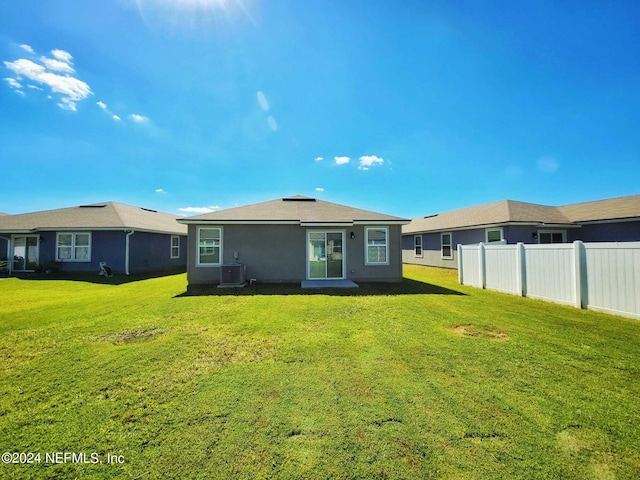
(126, 251)
(9, 260)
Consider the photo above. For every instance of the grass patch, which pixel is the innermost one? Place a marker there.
(425, 379)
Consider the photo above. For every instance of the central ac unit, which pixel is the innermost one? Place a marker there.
(232, 274)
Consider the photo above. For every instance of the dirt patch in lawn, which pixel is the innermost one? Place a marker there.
(130, 336)
(470, 330)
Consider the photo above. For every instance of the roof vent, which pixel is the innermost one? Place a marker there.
(298, 198)
(96, 205)
(431, 216)
(148, 210)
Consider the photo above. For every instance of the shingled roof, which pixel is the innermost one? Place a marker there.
(295, 210)
(512, 212)
(610, 209)
(97, 216)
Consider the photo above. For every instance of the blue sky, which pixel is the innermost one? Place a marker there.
(407, 108)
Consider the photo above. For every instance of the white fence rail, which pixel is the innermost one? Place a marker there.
(599, 276)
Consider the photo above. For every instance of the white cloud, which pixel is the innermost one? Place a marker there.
(33, 87)
(368, 161)
(26, 47)
(104, 107)
(70, 88)
(319, 189)
(199, 209)
(62, 56)
(56, 65)
(67, 104)
(319, 159)
(138, 118)
(159, 190)
(341, 160)
(272, 123)
(262, 101)
(13, 83)
(547, 164)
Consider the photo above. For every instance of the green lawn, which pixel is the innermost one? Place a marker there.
(428, 379)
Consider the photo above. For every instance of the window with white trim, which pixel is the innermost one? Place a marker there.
(551, 236)
(417, 245)
(494, 235)
(73, 247)
(175, 246)
(209, 246)
(445, 246)
(377, 245)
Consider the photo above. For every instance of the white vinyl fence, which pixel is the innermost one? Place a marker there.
(598, 276)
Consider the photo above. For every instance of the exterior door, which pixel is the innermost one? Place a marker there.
(325, 256)
(25, 253)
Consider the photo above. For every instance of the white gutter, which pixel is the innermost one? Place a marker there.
(303, 223)
(493, 225)
(126, 251)
(612, 220)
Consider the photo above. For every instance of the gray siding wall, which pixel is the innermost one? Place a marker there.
(431, 247)
(105, 247)
(278, 253)
(607, 232)
(151, 252)
(148, 252)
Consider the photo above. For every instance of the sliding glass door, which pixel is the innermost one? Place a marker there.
(25, 253)
(325, 259)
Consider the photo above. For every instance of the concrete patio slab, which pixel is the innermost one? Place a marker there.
(329, 284)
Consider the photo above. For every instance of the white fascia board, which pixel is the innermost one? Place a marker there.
(494, 225)
(238, 222)
(105, 229)
(326, 224)
(381, 222)
(612, 220)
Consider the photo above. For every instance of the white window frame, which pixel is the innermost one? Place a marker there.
(551, 232)
(366, 246)
(416, 246)
(198, 262)
(344, 254)
(450, 245)
(486, 235)
(73, 247)
(175, 247)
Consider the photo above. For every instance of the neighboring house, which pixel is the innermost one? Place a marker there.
(4, 264)
(76, 239)
(432, 240)
(295, 239)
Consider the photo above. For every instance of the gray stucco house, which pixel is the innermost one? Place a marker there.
(76, 239)
(432, 240)
(295, 239)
